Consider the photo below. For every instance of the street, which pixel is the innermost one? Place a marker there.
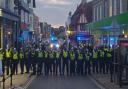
(57, 82)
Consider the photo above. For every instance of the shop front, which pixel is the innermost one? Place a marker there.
(109, 29)
(8, 29)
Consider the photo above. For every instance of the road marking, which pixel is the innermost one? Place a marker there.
(96, 83)
(30, 81)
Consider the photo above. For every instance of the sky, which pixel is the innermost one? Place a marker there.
(55, 12)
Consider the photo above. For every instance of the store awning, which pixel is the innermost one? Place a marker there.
(106, 23)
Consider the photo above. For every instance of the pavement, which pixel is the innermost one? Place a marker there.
(17, 81)
(104, 81)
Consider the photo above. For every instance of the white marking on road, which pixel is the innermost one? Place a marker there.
(96, 83)
(30, 81)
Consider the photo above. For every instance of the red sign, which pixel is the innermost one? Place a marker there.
(123, 43)
(23, 26)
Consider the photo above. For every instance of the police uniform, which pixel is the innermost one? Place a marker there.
(2, 60)
(102, 61)
(46, 62)
(27, 60)
(65, 62)
(15, 62)
(87, 63)
(54, 62)
(108, 60)
(58, 62)
(40, 62)
(21, 58)
(95, 62)
(80, 63)
(50, 62)
(72, 63)
(33, 58)
(8, 60)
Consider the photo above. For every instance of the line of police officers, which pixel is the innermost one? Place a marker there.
(54, 62)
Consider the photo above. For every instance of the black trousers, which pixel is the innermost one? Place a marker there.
(95, 65)
(102, 65)
(87, 67)
(34, 65)
(58, 66)
(65, 64)
(28, 65)
(79, 67)
(15, 66)
(72, 67)
(22, 63)
(8, 65)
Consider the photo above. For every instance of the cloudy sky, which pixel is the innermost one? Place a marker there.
(55, 12)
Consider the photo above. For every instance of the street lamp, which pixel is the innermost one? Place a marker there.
(1, 12)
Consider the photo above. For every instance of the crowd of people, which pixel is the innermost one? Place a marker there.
(69, 62)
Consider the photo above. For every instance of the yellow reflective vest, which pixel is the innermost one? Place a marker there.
(15, 56)
(1, 56)
(80, 56)
(94, 55)
(65, 54)
(8, 54)
(72, 56)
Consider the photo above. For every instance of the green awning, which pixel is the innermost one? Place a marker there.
(121, 20)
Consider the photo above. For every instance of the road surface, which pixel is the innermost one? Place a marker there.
(57, 82)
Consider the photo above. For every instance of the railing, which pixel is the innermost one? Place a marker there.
(120, 74)
(5, 78)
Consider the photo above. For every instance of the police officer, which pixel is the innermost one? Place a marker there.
(87, 63)
(27, 63)
(72, 62)
(80, 63)
(2, 59)
(102, 61)
(21, 58)
(33, 59)
(8, 60)
(95, 61)
(40, 62)
(108, 60)
(46, 62)
(50, 62)
(65, 62)
(15, 62)
(58, 62)
(54, 62)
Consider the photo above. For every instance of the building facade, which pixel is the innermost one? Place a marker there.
(9, 21)
(81, 16)
(107, 8)
(109, 21)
